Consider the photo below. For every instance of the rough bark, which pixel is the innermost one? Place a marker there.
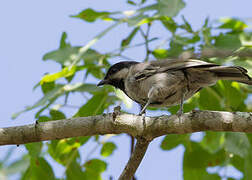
(149, 127)
(143, 128)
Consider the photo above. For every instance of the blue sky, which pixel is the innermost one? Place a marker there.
(29, 29)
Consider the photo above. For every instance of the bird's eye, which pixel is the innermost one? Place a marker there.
(113, 70)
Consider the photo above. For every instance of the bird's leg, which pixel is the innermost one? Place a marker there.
(180, 111)
(150, 95)
(143, 108)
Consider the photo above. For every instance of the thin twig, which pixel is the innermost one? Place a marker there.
(146, 37)
(135, 159)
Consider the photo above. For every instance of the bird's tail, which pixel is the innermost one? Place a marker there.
(233, 73)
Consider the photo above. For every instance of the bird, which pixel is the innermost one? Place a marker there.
(165, 83)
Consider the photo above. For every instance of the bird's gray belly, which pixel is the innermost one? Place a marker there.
(169, 89)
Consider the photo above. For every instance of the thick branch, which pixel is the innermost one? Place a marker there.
(135, 159)
(148, 128)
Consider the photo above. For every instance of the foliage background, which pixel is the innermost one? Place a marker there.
(31, 29)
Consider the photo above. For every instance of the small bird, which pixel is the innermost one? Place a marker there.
(165, 83)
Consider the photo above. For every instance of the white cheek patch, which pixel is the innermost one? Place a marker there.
(122, 74)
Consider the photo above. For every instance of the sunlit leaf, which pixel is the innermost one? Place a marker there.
(107, 149)
(126, 100)
(232, 23)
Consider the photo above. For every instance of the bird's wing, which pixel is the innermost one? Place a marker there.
(170, 65)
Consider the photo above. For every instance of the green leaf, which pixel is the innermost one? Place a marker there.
(91, 15)
(66, 56)
(173, 140)
(233, 94)
(175, 49)
(196, 160)
(65, 151)
(237, 143)
(63, 56)
(137, 20)
(131, 2)
(127, 40)
(248, 166)
(43, 119)
(170, 8)
(227, 41)
(57, 115)
(209, 99)
(237, 162)
(94, 169)
(233, 24)
(213, 141)
(169, 23)
(160, 53)
(39, 169)
(46, 87)
(34, 149)
(186, 25)
(48, 97)
(63, 42)
(107, 149)
(75, 171)
(18, 166)
(94, 106)
(126, 100)
(65, 72)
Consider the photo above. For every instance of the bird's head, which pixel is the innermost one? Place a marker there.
(117, 74)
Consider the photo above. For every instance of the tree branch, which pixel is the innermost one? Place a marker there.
(135, 159)
(134, 125)
(144, 129)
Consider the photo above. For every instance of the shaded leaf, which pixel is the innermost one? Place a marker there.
(75, 171)
(173, 140)
(213, 141)
(94, 169)
(127, 40)
(237, 143)
(91, 15)
(34, 149)
(18, 166)
(227, 41)
(57, 115)
(95, 105)
(209, 99)
(39, 169)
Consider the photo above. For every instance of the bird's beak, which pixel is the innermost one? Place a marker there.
(102, 82)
